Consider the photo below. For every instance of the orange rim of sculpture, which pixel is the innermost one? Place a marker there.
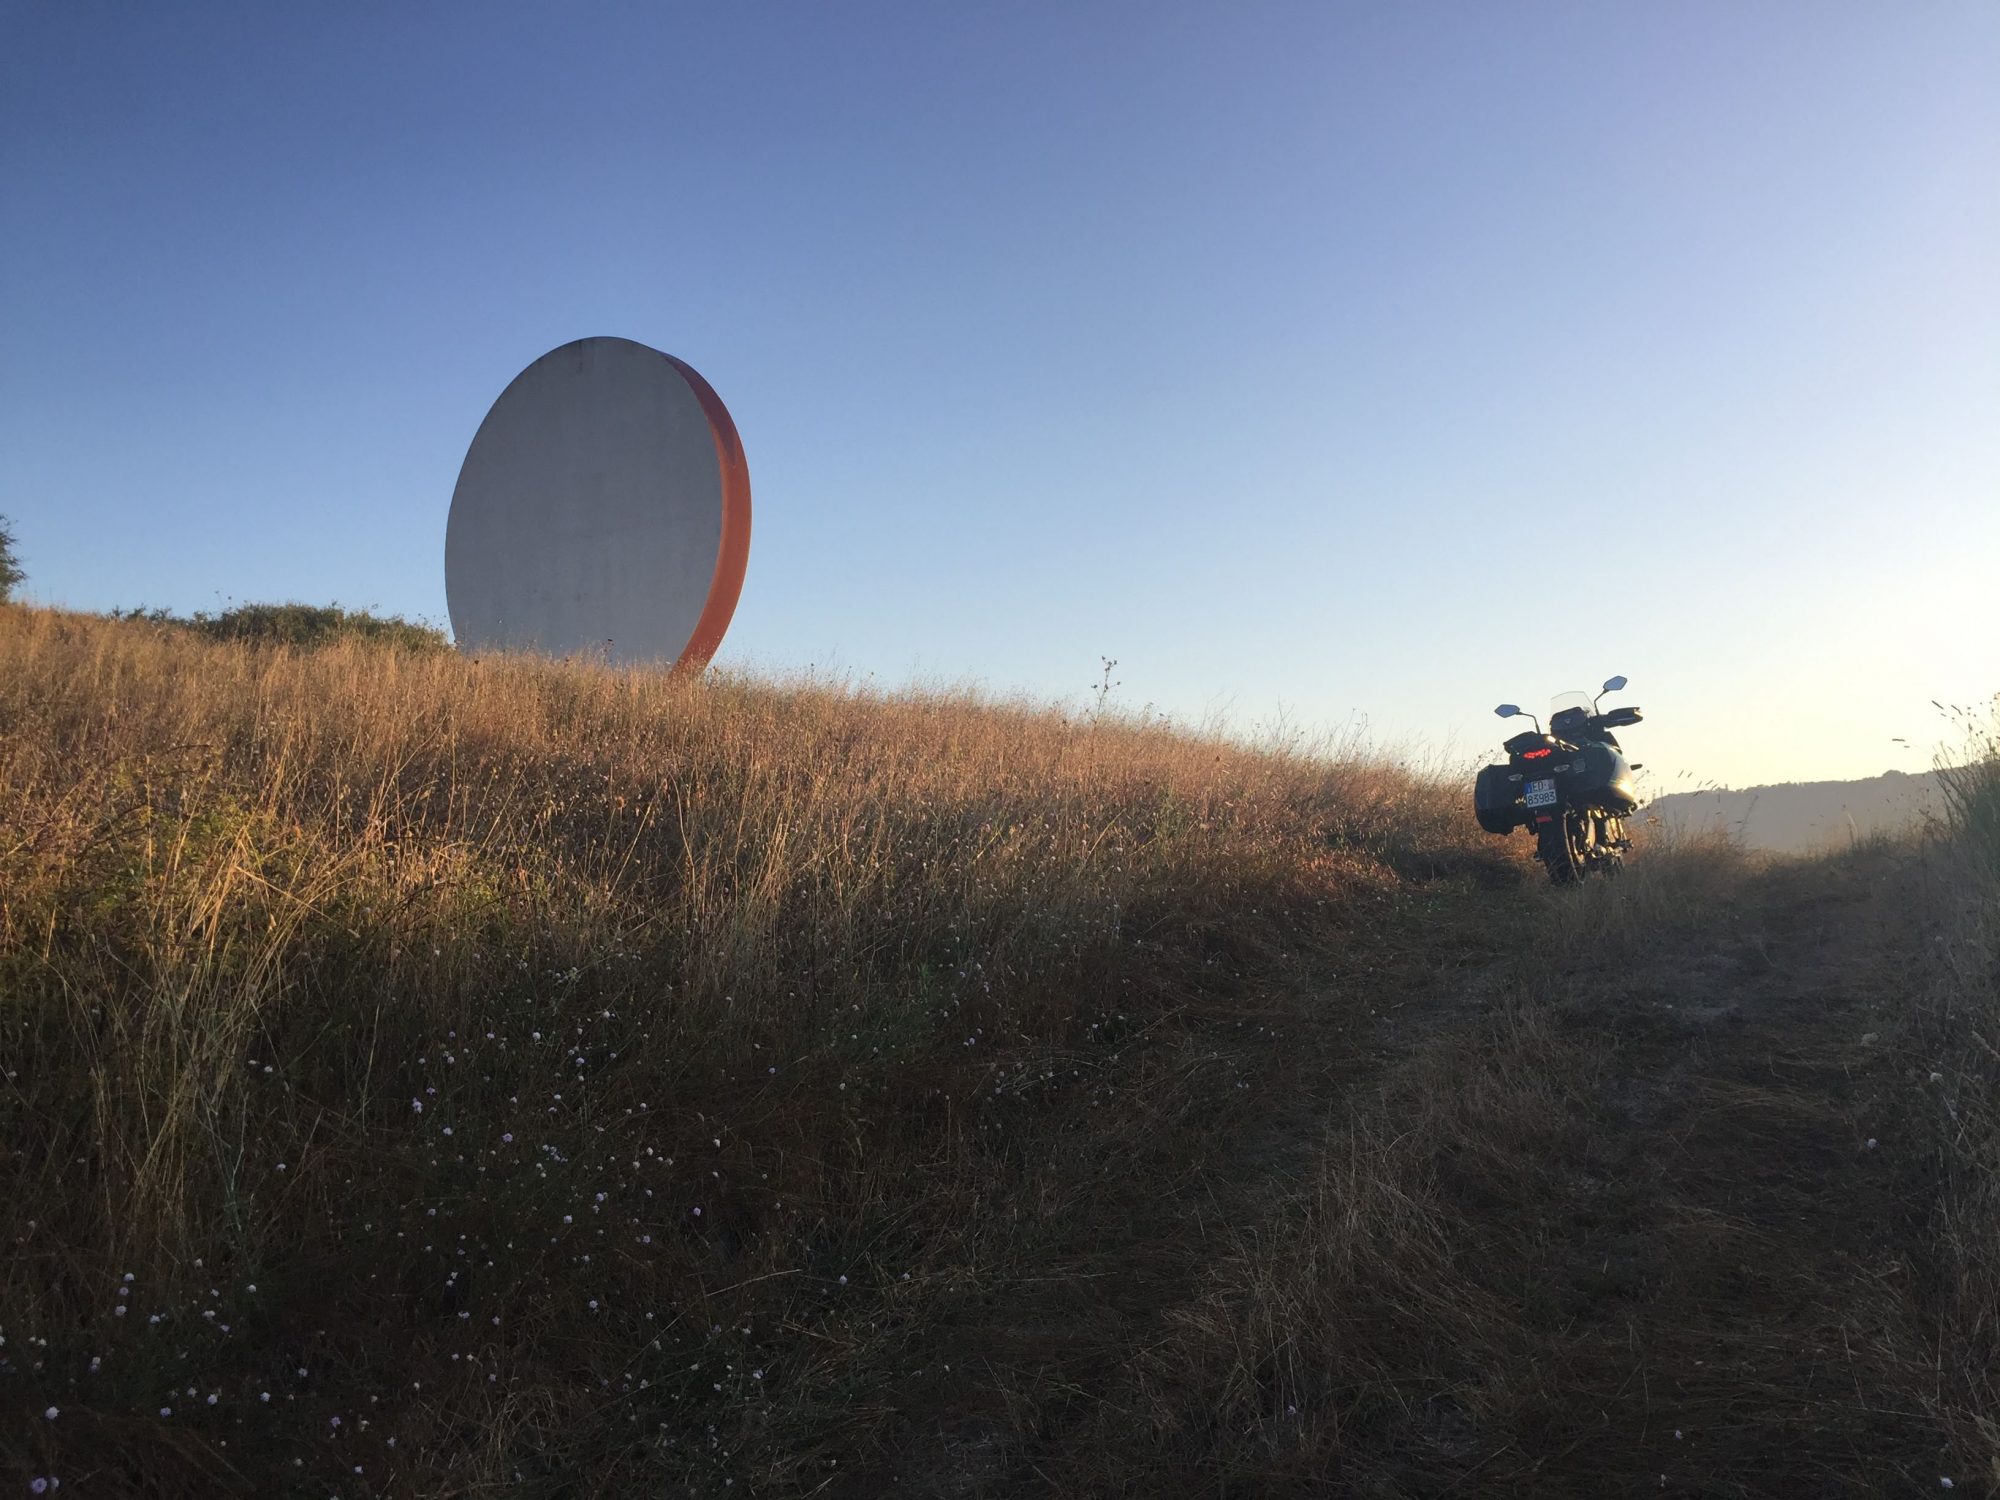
(732, 556)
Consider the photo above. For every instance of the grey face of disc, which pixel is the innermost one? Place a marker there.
(588, 513)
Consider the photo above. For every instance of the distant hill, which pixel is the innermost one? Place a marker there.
(1798, 816)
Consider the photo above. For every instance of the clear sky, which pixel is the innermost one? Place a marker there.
(1317, 361)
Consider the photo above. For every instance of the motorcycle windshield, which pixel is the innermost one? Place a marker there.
(1562, 701)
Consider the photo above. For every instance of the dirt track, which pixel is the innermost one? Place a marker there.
(1737, 1220)
(1612, 1204)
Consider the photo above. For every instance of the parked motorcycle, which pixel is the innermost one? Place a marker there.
(1570, 784)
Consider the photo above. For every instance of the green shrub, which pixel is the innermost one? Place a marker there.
(10, 568)
(298, 625)
(318, 625)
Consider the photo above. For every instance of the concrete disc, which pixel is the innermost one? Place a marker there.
(603, 509)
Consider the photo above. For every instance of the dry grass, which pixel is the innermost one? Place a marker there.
(1961, 1046)
(431, 1077)
(602, 1084)
(1680, 881)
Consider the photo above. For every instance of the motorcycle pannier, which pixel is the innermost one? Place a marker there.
(1604, 780)
(1497, 800)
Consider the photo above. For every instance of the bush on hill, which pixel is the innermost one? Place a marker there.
(300, 625)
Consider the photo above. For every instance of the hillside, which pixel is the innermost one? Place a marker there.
(428, 1077)
(1800, 817)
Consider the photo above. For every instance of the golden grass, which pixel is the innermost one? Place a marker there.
(592, 1079)
(598, 1083)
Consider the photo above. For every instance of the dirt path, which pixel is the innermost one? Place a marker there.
(1597, 1215)
(1581, 1201)
(1715, 1293)
(1739, 1223)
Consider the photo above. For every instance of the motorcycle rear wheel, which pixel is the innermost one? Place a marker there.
(1556, 848)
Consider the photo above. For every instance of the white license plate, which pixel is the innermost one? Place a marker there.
(1540, 793)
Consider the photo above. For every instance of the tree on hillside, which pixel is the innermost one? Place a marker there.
(10, 570)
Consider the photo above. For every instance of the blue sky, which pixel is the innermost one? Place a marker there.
(1318, 362)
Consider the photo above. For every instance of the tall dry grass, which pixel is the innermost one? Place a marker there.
(427, 1076)
(1962, 1040)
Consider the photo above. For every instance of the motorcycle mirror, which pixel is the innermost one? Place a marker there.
(1507, 710)
(1614, 685)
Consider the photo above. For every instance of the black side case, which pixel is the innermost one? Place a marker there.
(1496, 798)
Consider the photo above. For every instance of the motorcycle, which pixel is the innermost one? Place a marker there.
(1570, 784)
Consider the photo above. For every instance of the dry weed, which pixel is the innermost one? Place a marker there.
(425, 1075)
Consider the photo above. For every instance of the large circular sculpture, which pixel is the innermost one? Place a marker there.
(602, 509)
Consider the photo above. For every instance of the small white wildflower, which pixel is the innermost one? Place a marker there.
(417, 1106)
(52, 1413)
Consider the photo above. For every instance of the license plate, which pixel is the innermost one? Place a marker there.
(1540, 793)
